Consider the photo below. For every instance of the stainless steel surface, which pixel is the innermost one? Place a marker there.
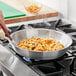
(19, 68)
(28, 33)
(5, 55)
(12, 65)
(5, 70)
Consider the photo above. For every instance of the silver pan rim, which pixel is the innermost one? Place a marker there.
(44, 51)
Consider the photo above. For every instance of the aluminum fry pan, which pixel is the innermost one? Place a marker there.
(42, 33)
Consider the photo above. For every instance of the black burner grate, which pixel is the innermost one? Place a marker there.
(49, 69)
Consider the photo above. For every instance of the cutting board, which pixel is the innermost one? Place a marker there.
(10, 12)
(45, 11)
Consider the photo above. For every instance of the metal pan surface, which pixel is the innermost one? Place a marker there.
(42, 33)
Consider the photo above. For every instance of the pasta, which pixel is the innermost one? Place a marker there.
(33, 9)
(40, 44)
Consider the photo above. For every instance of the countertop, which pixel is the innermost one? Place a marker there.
(45, 11)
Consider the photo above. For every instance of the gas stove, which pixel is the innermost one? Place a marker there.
(63, 66)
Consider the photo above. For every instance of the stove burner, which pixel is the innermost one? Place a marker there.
(35, 61)
(49, 69)
(57, 67)
(26, 59)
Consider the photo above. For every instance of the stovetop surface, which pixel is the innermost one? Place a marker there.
(63, 66)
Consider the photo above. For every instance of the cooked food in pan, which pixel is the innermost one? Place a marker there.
(40, 44)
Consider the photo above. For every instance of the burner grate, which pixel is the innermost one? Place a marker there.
(49, 69)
